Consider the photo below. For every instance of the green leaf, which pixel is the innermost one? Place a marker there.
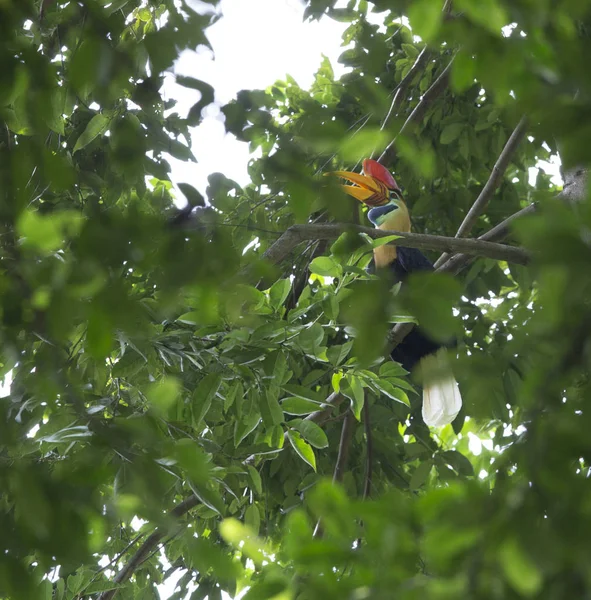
(521, 572)
(267, 590)
(451, 133)
(96, 126)
(311, 338)
(45, 590)
(68, 434)
(420, 475)
(459, 462)
(425, 18)
(410, 50)
(376, 243)
(235, 393)
(490, 14)
(337, 354)
(270, 409)
(352, 388)
(242, 537)
(255, 479)
(463, 72)
(303, 392)
(385, 387)
(192, 459)
(207, 97)
(252, 518)
(245, 426)
(205, 556)
(330, 306)
(203, 397)
(431, 297)
(299, 406)
(211, 498)
(279, 292)
(163, 394)
(392, 369)
(326, 266)
(302, 448)
(312, 433)
(193, 196)
(364, 143)
(48, 232)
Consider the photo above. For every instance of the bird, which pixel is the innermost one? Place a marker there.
(377, 188)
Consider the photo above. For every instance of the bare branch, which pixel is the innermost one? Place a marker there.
(320, 416)
(146, 548)
(397, 334)
(495, 178)
(330, 231)
(421, 60)
(492, 184)
(574, 190)
(368, 451)
(344, 445)
(343, 455)
(429, 97)
(501, 231)
(497, 233)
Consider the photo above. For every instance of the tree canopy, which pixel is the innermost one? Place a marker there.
(209, 391)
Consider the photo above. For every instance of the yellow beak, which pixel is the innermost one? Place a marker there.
(367, 189)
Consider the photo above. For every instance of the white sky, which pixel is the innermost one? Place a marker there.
(255, 43)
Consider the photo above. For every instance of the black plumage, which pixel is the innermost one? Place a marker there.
(416, 345)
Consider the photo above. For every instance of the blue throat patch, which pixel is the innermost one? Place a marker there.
(375, 213)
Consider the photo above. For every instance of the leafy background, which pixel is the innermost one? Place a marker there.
(163, 371)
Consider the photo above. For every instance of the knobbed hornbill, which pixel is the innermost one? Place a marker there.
(378, 189)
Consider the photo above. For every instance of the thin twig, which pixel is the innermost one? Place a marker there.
(368, 451)
(343, 455)
(496, 176)
(438, 86)
(146, 548)
(344, 446)
(496, 234)
(422, 58)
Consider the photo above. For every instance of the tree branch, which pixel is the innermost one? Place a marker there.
(570, 193)
(320, 416)
(422, 58)
(146, 548)
(497, 233)
(343, 455)
(327, 231)
(439, 85)
(368, 451)
(344, 445)
(492, 184)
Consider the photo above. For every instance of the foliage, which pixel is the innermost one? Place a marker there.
(154, 363)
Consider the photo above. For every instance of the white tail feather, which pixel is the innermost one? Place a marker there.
(441, 402)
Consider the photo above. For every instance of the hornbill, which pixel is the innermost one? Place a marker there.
(378, 189)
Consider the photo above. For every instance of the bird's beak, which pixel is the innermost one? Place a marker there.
(366, 189)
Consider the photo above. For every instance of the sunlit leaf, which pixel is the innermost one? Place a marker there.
(96, 126)
(312, 433)
(302, 448)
